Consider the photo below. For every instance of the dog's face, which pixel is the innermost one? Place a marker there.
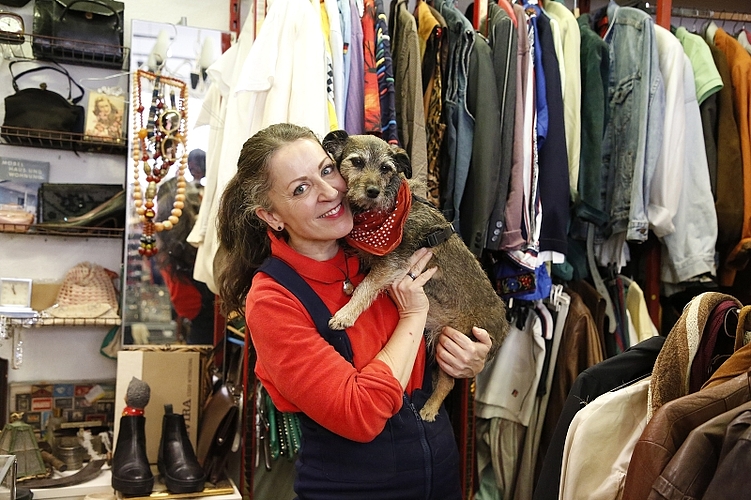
(372, 168)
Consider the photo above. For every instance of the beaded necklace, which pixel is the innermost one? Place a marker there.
(160, 142)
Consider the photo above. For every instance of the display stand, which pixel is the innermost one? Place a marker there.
(103, 484)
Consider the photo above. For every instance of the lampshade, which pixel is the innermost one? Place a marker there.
(18, 439)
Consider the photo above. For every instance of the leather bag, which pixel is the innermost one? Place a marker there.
(42, 109)
(217, 433)
(60, 202)
(220, 427)
(89, 31)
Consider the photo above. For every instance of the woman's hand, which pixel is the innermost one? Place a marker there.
(407, 292)
(458, 355)
(400, 351)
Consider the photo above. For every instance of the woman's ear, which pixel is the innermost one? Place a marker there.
(269, 218)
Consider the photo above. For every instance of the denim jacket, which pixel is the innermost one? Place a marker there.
(633, 136)
(460, 124)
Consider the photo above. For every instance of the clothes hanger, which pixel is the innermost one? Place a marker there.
(693, 26)
(631, 382)
(709, 31)
(730, 329)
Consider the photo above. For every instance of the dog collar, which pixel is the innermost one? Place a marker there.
(378, 232)
(437, 237)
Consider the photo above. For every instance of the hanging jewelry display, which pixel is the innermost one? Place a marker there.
(159, 143)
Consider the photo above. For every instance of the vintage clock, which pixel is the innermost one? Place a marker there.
(15, 294)
(11, 28)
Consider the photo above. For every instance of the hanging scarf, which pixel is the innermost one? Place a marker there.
(378, 232)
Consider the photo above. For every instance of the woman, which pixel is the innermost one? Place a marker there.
(109, 121)
(191, 300)
(359, 394)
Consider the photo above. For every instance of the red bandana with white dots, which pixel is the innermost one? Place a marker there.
(377, 232)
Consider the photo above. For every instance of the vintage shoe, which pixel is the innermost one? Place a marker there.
(177, 460)
(131, 474)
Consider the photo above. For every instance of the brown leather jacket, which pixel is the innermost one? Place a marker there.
(670, 426)
(730, 479)
(692, 468)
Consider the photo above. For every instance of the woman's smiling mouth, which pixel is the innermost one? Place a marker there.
(333, 211)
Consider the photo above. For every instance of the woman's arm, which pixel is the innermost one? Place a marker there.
(400, 351)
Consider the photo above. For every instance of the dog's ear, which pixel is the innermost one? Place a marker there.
(401, 159)
(334, 142)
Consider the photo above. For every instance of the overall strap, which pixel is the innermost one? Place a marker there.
(292, 281)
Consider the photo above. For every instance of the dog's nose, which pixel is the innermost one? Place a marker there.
(373, 192)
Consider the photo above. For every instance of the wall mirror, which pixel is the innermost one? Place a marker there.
(161, 302)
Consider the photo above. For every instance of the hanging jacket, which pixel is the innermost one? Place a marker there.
(503, 39)
(690, 471)
(730, 480)
(632, 364)
(740, 66)
(670, 426)
(634, 131)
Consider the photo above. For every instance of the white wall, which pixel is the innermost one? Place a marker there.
(71, 353)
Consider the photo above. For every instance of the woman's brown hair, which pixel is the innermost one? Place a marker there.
(243, 239)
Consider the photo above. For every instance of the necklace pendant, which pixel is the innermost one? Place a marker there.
(348, 287)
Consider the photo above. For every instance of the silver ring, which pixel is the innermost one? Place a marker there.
(412, 275)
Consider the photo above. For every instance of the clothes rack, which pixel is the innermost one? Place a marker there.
(663, 13)
(686, 13)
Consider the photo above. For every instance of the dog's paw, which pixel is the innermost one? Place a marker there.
(340, 322)
(428, 413)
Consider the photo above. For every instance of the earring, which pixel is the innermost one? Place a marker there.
(279, 228)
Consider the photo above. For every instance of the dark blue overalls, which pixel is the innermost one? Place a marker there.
(409, 460)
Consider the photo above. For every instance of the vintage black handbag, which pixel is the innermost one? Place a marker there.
(61, 203)
(87, 31)
(41, 109)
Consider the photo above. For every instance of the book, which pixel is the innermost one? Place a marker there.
(20, 180)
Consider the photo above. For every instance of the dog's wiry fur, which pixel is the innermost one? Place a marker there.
(460, 293)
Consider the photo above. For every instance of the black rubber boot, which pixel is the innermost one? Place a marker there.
(131, 474)
(177, 460)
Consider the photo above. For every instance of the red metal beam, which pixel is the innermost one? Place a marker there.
(664, 9)
(234, 16)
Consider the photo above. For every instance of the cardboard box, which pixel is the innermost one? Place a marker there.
(174, 378)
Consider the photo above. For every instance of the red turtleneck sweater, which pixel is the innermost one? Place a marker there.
(302, 371)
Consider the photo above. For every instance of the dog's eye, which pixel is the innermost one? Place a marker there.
(357, 162)
(385, 169)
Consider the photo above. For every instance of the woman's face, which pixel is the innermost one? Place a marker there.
(308, 199)
(103, 108)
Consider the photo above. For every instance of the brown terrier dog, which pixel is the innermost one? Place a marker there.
(460, 293)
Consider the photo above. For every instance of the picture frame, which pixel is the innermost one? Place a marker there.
(105, 115)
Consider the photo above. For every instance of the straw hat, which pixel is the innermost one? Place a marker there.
(87, 292)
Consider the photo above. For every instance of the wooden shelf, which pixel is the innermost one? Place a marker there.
(40, 321)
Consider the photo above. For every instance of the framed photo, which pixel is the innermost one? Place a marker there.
(23, 402)
(104, 117)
